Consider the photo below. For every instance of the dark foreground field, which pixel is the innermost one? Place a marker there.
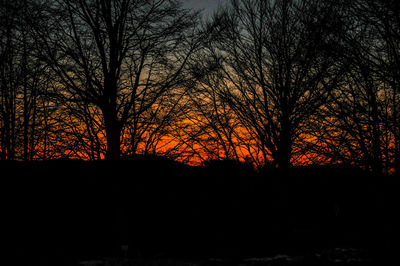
(152, 211)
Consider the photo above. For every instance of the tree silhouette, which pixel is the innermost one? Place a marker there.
(118, 56)
(357, 124)
(277, 69)
(383, 20)
(8, 79)
(24, 83)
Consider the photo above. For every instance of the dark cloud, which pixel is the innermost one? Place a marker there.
(207, 5)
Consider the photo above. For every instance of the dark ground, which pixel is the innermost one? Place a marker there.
(152, 211)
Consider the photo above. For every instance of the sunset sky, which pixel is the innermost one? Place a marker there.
(267, 82)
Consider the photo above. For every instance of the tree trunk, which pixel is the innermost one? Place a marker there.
(284, 148)
(113, 143)
(377, 164)
(113, 131)
(113, 135)
(284, 153)
(25, 96)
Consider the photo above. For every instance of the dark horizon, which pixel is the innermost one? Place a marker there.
(149, 210)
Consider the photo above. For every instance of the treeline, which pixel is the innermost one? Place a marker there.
(274, 82)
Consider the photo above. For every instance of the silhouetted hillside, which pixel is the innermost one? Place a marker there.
(73, 210)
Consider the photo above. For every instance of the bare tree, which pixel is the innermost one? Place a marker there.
(118, 56)
(22, 82)
(8, 78)
(350, 128)
(278, 66)
(383, 19)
